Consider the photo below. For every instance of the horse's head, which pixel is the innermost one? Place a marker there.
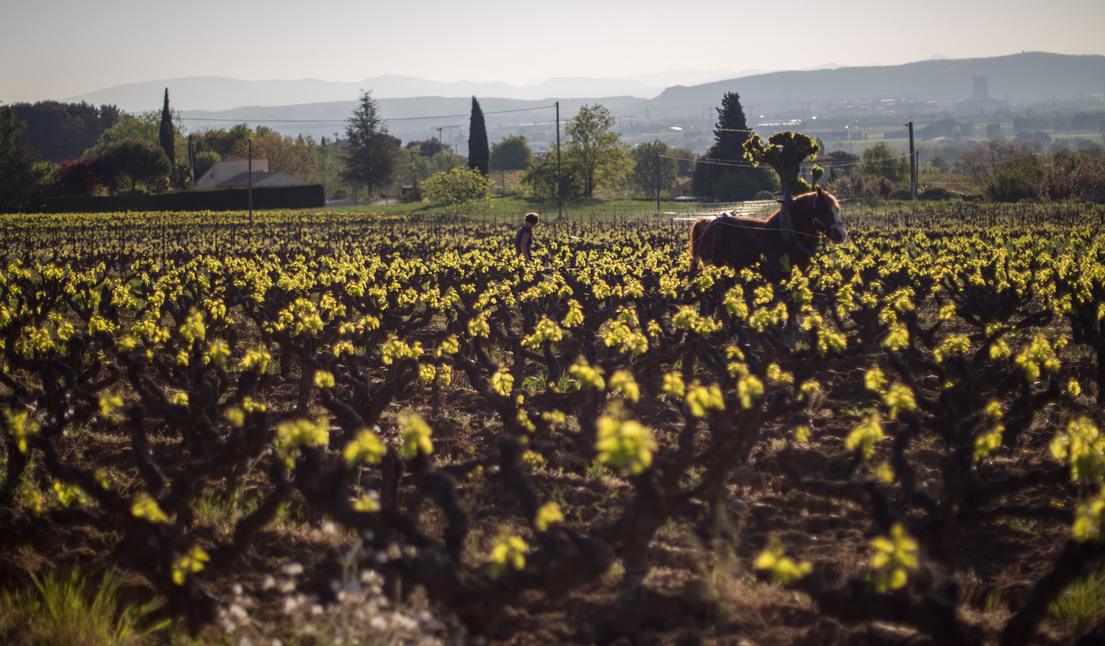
(826, 217)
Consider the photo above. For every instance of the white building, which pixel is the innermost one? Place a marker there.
(224, 170)
(234, 174)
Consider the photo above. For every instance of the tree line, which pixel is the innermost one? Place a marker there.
(52, 148)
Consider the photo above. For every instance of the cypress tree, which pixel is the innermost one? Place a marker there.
(479, 154)
(165, 139)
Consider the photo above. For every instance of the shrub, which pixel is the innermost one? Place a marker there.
(1070, 176)
(70, 610)
(414, 195)
(85, 176)
(880, 161)
(459, 187)
(936, 194)
(857, 186)
(900, 194)
(1082, 604)
(1004, 171)
(1015, 180)
(740, 186)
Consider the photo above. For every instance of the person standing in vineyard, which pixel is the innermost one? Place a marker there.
(523, 240)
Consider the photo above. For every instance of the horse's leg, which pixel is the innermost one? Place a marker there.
(695, 246)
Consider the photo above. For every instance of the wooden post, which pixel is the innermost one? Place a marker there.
(249, 171)
(912, 165)
(657, 182)
(559, 192)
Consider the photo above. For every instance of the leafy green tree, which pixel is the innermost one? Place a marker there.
(166, 135)
(285, 154)
(880, 161)
(479, 156)
(220, 141)
(458, 188)
(19, 172)
(511, 153)
(429, 147)
(685, 158)
(785, 152)
(596, 152)
(844, 163)
(139, 162)
(325, 165)
(147, 126)
(369, 147)
(646, 159)
(63, 131)
(539, 180)
(740, 186)
(204, 161)
(409, 165)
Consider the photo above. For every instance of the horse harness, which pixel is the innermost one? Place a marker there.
(786, 229)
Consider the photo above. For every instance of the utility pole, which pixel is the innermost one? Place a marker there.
(191, 161)
(249, 171)
(912, 165)
(559, 192)
(657, 183)
(441, 144)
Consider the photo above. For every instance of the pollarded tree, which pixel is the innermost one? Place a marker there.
(785, 153)
(368, 145)
(479, 156)
(595, 149)
(166, 136)
(139, 162)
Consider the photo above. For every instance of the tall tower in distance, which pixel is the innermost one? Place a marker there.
(981, 91)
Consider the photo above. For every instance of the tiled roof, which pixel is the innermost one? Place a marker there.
(242, 179)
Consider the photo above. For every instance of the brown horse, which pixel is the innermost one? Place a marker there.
(793, 231)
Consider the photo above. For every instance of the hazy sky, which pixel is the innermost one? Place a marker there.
(55, 49)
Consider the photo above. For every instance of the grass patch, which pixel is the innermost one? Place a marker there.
(504, 209)
(1082, 605)
(73, 610)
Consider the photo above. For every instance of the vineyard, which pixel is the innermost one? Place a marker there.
(340, 428)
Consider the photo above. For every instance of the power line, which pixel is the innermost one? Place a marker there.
(736, 164)
(61, 109)
(452, 116)
(440, 116)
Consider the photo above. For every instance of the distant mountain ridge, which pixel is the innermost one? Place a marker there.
(219, 93)
(210, 93)
(1029, 76)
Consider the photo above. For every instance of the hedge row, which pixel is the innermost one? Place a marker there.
(233, 199)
